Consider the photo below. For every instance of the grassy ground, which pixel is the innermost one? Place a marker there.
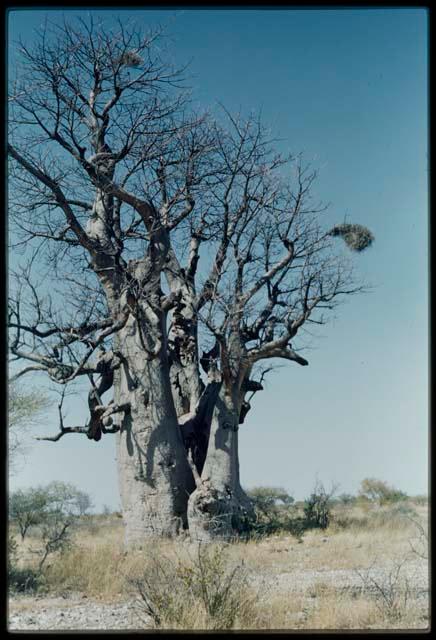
(366, 571)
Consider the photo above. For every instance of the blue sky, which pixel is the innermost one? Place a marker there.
(349, 89)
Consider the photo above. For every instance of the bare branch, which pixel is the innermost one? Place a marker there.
(58, 195)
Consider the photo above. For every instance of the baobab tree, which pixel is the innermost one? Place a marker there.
(161, 229)
(92, 114)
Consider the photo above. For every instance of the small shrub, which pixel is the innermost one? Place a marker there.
(419, 543)
(390, 589)
(25, 580)
(317, 508)
(297, 527)
(201, 593)
(20, 580)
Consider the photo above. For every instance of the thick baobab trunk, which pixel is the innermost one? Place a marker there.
(154, 474)
(219, 508)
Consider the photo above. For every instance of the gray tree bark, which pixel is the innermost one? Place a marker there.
(154, 475)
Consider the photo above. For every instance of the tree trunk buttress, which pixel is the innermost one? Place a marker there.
(219, 507)
(152, 466)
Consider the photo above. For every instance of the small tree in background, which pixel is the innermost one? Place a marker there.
(27, 508)
(54, 509)
(379, 491)
(66, 498)
(42, 505)
(270, 498)
(84, 503)
(269, 501)
(58, 520)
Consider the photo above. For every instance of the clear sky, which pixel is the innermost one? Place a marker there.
(349, 89)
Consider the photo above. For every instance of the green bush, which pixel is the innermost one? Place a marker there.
(274, 512)
(317, 507)
(25, 580)
(277, 512)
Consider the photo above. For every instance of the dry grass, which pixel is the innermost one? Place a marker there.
(342, 609)
(277, 597)
(199, 587)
